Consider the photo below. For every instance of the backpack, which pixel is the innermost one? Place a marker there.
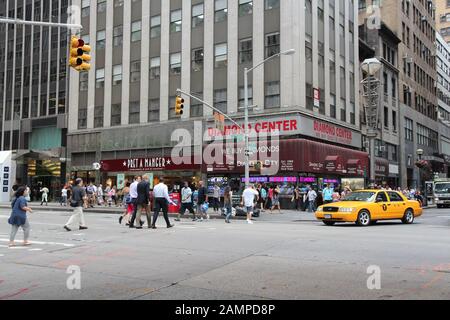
(128, 199)
(263, 193)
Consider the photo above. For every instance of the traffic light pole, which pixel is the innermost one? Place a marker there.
(41, 23)
(207, 104)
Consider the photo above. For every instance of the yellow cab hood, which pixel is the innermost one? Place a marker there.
(345, 204)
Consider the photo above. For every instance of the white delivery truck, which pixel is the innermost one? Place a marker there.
(442, 193)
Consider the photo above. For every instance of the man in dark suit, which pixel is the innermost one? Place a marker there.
(143, 190)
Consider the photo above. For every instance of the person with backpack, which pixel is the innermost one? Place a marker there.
(262, 196)
(18, 218)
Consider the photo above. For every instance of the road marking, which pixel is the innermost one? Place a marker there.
(36, 249)
(45, 243)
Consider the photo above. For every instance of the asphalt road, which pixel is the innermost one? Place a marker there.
(287, 256)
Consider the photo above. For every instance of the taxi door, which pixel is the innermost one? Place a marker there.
(398, 205)
(382, 205)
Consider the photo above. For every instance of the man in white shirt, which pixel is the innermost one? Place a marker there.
(134, 195)
(248, 201)
(162, 200)
(186, 202)
(312, 196)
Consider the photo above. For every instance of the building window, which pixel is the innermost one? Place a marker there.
(409, 133)
(101, 6)
(85, 8)
(84, 81)
(153, 110)
(155, 27)
(332, 106)
(98, 117)
(116, 115)
(197, 59)
(221, 10)
(155, 68)
(135, 71)
(220, 100)
(242, 96)
(197, 15)
(272, 44)
(272, 95)
(118, 3)
(272, 4)
(245, 7)
(100, 78)
(246, 51)
(196, 108)
(386, 118)
(220, 55)
(394, 121)
(175, 21)
(175, 63)
(82, 118)
(136, 31)
(134, 112)
(118, 36)
(117, 74)
(101, 39)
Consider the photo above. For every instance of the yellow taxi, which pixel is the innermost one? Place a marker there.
(366, 207)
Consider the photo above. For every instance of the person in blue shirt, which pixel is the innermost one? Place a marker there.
(19, 216)
(327, 194)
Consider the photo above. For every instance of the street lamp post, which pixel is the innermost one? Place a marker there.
(371, 86)
(246, 107)
(419, 176)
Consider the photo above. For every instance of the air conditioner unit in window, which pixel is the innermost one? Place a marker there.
(408, 59)
(382, 148)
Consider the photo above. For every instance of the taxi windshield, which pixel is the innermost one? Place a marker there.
(360, 196)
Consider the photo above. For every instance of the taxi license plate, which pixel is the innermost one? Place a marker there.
(328, 216)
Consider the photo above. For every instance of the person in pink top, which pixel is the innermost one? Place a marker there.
(270, 198)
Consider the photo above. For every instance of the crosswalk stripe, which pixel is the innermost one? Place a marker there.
(45, 243)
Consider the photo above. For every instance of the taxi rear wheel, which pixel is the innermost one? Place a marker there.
(364, 219)
(408, 218)
(329, 223)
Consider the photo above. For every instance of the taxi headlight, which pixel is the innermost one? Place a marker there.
(319, 209)
(346, 209)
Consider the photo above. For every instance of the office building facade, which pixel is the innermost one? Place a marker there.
(33, 91)
(144, 50)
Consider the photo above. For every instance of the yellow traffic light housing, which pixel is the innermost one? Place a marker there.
(179, 106)
(79, 55)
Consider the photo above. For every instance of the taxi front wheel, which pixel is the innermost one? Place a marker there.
(408, 218)
(363, 218)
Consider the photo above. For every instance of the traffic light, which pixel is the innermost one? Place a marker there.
(79, 55)
(179, 106)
